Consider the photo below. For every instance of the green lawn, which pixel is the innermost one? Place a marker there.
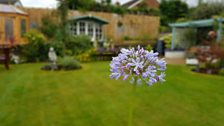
(87, 97)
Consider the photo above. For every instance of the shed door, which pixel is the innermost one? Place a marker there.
(9, 29)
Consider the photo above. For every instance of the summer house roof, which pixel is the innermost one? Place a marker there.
(11, 9)
(8, 1)
(197, 23)
(90, 17)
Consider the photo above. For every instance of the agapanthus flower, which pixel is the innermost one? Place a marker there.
(139, 66)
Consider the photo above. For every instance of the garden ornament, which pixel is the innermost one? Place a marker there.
(53, 58)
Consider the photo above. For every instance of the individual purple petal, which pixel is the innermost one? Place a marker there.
(151, 81)
(125, 51)
(125, 77)
(161, 63)
(128, 65)
(161, 77)
(139, 47)
(115, 76)
(139, 81)
(145, 75)
(132, 81)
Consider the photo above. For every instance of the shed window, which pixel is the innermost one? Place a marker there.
(82, 28)
(98, 32)
(1, 28)
(9, 28)
(73, 28)
(22, 27)
(90, 29)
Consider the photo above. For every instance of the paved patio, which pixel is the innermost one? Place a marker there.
(175, 61)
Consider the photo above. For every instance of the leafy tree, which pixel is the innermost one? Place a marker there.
(171, 10)
(49, 26)
(200, 2)
(205, 11)
(80, 4)
(63, 14)
(108, 1)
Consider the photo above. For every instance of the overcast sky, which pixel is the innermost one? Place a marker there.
(53, 3)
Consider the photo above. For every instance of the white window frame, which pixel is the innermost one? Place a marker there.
(73, 28)
(99, 32)
(82, 28)
(89, 28)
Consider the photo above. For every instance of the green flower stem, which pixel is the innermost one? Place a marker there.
(132, 102)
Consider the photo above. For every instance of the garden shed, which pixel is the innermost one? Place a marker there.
(14, 23)
(88, 25)
(207, 23)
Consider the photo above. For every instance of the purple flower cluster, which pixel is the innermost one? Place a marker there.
(138, 65)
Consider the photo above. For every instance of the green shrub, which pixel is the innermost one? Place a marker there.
(84, 57)
(58, 46)
(145, 38)
(164, 29)
(68, 63)
(127, 38)
(206, 11)
(49, 26)
(167, 39)
(182, 20)
(87, 56)
(148, 47)
(78, 44)
(68, 52)
(36, 49)
(221, 72)
(34, 36)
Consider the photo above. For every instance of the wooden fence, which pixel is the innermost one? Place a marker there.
(139, 27)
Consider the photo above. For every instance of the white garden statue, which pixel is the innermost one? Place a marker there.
(53, 58)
